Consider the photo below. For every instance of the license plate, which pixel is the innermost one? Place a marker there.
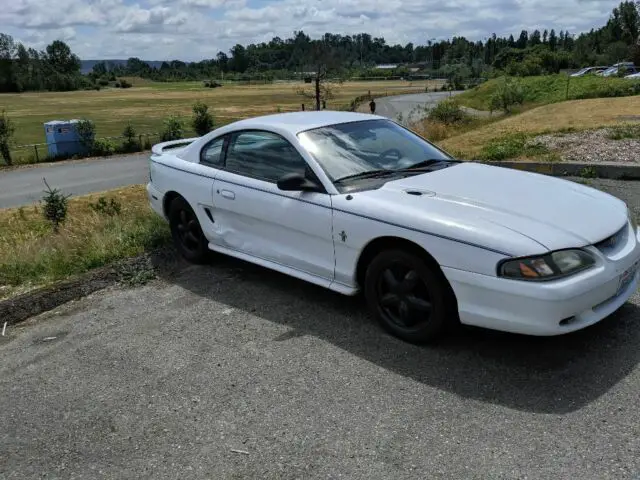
(627, 277)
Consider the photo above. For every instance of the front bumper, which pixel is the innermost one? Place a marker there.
(547, 308)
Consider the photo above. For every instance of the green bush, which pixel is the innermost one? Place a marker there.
(130, 144)
(202, 120)
(448, 112)
(103, 82)
(86, 130)
(173, 129)
(103, 147)
(508, 94)
(7, 130)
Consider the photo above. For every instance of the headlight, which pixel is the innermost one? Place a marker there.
(546, 267)
(634, 222)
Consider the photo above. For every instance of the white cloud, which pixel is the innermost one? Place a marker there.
(196, 29)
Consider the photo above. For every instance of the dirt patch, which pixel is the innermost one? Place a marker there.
(592, 146)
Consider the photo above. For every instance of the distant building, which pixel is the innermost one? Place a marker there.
(387, 66)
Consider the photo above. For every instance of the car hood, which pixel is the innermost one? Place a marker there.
(487, 205)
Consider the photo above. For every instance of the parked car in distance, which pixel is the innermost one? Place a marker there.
(618, 68)
(355, 202)
(633, 76)
(588, 71)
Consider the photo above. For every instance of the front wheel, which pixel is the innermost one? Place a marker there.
(186, 232)
(407, 296)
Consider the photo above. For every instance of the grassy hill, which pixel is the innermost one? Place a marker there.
(552, 89)
(571, 115)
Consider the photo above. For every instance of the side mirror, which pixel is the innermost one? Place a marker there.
(297, 183)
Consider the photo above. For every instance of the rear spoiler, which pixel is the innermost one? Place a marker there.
(158, 148)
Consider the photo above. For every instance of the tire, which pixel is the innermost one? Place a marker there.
(408, 297)
(187, 233)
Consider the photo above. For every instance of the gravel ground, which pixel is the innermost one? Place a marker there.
(591, 146)
(231, 371)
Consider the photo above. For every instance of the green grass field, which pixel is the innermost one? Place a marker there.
(146, 104)
(552, 89)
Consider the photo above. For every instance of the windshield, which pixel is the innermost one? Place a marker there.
(349, 149)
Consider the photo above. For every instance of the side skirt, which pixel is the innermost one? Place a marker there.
(308, 277)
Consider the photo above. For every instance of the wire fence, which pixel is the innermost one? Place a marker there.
(105, 146)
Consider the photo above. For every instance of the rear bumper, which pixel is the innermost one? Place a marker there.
(155, 200)
(545, 308)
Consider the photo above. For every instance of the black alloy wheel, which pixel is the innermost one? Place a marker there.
(407, 296)
(186, 232)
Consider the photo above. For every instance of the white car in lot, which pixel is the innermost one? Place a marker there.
(356, 202)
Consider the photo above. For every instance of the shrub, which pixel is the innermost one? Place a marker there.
(55, 206)
(110, 208)
(7, 130)
(448, 112)
(202, 121)
(123, 84)
(117, 84)
(508, 94)
(103, 82)
(173, 129)
(86, 130)
(129, 144)
(103, 147)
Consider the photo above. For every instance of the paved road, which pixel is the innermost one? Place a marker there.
(167, 380)
(409, 106)
(25, 186)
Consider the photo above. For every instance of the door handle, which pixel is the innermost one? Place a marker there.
(228, 194)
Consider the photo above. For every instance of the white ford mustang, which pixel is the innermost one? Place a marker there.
(357, 202)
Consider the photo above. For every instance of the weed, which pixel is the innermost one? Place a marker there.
(110, 208)
(589, 172)
(627, 131)
(512, 146)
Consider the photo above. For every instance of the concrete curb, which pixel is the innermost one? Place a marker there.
(18, 309)
(616, 171)
(22, 307)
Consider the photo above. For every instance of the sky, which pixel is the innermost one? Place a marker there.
(192, 30)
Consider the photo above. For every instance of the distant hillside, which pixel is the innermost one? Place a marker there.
(87, 65)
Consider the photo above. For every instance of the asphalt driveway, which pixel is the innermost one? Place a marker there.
(233, 371)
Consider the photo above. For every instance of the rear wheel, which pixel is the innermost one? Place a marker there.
(407, 296)
(186, 232)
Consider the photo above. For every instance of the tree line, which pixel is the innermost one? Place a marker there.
(530, 53)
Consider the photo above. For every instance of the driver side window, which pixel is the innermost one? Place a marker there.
(263, 155)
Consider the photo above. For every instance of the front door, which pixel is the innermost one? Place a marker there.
(254, 217)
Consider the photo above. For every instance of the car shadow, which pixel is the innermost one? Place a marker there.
(538, 374)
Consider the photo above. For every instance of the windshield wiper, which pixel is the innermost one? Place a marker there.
(368, 174)
(421, 165)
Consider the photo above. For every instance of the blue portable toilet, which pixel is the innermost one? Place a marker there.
(63, 139)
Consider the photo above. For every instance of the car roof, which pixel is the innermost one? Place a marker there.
(296, 122)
